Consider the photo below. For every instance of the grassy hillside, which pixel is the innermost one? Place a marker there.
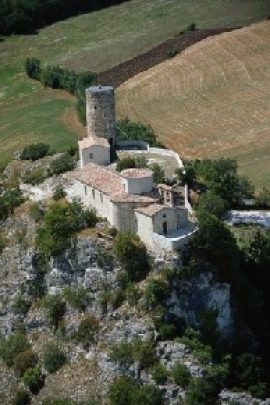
(211, 101)
(95, 42)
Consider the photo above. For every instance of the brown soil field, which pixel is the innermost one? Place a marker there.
(212, 100)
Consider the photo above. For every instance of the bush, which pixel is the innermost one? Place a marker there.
(181, 375)
(132, 254)
(122, 353)
(148, 395)
(53, 357)
(33, 379)
(158, 173)
(87, 331)
(155, 293)
(144, 352)
(24, 361)
(20, 305)
(122, 391)
(56, 309)
(35, 151)
(172, 52)
(9, 199)
(11, 347)
(34, 176)
(125, 163)
(77, 298)
(127, 130)
(61, 164)
(159, 373)
(59, 193)
(22, 397)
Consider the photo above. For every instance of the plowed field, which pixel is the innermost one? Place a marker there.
(212, 100)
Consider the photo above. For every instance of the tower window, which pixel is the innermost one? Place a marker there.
(85, 190)
(93, 193)
(90, 155)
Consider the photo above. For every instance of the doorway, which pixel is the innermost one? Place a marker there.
(165, 228)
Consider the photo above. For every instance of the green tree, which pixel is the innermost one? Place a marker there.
(122, 391)
(87, 330)
(132, 255)
(56, 309)
(158, 173)
(11, 347)
(215, 241)
(34, 379)
(181, 375)
(125, 163)
(53, 357)
(24, 361)
(212, 204)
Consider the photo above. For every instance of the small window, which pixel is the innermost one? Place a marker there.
(164, 215)
(93, 193)
(90, 155)
(105, 115)
(101, 197)
(85, 190)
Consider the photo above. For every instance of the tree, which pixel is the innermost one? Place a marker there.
(11, 347)
(158, 173)
(215, 241)
(56, 309)
(181, 375)
(125, 163)
(87, 330)
(212, 204)
(24, 361)
(53, 357)
(34, 379)
(132, 255)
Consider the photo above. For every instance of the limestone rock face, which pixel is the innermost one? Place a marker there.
(202, 293)
(240, 398)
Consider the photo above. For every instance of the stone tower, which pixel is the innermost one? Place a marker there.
(100, 113)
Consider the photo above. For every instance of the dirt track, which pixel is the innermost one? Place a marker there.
(124, 71)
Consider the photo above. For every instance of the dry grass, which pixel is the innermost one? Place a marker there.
(211, 101)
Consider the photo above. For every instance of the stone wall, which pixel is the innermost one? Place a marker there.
(100, 112)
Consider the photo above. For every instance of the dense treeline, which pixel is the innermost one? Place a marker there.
(23, 16)
(59, 78)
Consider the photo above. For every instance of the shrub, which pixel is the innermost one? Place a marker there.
(132, 254)
(53, 357)
(159, 373)
(122, 391)
(22, 397)
(61, 164)
(144, 352)
(35, 151)
(36, 212)
(32, 68)
(24, 361)
(9, 199)
(122, 353)
(87, 330)
(158, 173)
(148, 395)
(34, 176)
(116, 298)
(20, 305)
(156, 292)
(59, 193)
(172, 52)
(11, 347)
(78, 298)
(133, 294)
(181, 375)
(33, 379)
(56, 309)
(125, 163)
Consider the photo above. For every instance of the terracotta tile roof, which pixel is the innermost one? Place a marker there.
(125, 197)
(101, 178)
(165, 187)
(93, 140)
(136, 173)
(152, 209)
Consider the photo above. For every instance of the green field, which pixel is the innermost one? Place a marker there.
(95, 42)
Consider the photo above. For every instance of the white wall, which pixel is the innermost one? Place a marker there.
(95, 154)
(93, 198)
(138, 185)
(144, 228)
